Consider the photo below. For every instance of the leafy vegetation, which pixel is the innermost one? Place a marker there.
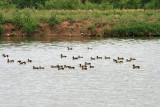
(80, 4)
(1, 29)
(115, 22)
(53, 20)
(25, 20)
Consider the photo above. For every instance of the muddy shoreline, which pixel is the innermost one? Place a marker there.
(64, 29)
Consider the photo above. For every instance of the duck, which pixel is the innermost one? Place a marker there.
(120, 58)
(19, 61)
(40, 67)
(84, 68)
(119, 61)
(10, 61)
(132, 58)
(91, 66)
(35, 67)
(87, 63)
(69, 48)
(71, 67)
(99, 57)
(93, 58)
(136, 67)
(29, 60)
(62, 56)
(114, 60)
(127, 60)
(75, 58)
(54, 66)
(80, 56)
(60, 68)
(107, 57)
(5, 55)
(89, 48)
(65, 66)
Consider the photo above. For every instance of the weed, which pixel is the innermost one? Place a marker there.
(70, 19)
(81, 31)
(90, 27)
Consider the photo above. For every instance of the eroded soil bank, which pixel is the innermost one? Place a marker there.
(63, 29)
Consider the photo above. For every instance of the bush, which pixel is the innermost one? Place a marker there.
(90, 27)
(137, 29)
(24, 19)
(1, 29)
(53, 20)
(1, 18)
(6, 5)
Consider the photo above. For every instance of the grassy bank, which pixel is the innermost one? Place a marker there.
(103, 23)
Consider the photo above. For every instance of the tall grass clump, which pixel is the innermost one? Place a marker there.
(136, 29)
(1, 29)
(53, 19)
(25, 20)
(1, 18)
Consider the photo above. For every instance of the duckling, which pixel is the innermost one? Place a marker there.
(107, 57)
(120, 58)
(69, 48)
(99, 57)
(119, 61)
(74, 58)
(91, 66)
(35, 67)
(10, 61)
(87, 63)
(93, 58)
(89, 48)
(80, 56)
(132, 59)
(62, 56)
(136, 67)
(127, 60)
(29, 60)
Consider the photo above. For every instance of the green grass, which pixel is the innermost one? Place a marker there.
(25, 20)
(124, 22)
(1, 29)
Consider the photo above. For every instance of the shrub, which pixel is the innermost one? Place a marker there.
(53, 20)
(137, 29)
(1, 18)
(1, 29)
(25, 20)
(90, 27)
(70, 19)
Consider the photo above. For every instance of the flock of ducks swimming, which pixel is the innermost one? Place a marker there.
(84, 66)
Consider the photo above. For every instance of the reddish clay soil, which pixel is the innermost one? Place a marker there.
(63, 29)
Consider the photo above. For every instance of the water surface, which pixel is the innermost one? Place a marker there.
(107, 85)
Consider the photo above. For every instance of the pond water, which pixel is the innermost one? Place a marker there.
(108, 84)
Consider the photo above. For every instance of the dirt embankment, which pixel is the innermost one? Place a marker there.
(63, 29)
